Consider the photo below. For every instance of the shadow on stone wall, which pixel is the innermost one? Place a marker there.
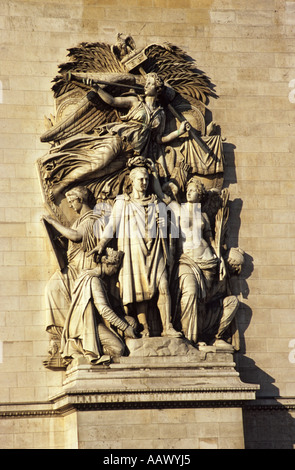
(269, 426)
(230, 176)
(247, 368)
(251, 373)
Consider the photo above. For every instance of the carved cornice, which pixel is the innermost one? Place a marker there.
(204, 389)
(29, 413)
(256, 406)
(206, 396)
(270, 405)
(158, 405)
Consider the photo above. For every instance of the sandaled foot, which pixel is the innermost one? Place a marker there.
(104, 359)
(145, 333)
(171, 333)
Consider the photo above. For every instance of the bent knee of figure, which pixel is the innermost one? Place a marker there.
(115, 349)
(231, 302)
(111, 344)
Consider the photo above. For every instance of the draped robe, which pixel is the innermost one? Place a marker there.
(134, 224)
(135, 133)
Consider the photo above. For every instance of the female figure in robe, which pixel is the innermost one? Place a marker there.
(197, 262)
(88, 156)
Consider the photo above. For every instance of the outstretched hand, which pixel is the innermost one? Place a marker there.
(97, 251)
(161, 222)
(87, 81)
(129, 332)
(90, 82)
(48, 218)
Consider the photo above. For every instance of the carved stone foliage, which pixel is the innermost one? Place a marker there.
(136, 210)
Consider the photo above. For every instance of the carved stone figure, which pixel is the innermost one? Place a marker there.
(217, 323)
(92, 136)
(196, 260)
(77, 304)
(133, 185)
(78, 159)
(136, 225)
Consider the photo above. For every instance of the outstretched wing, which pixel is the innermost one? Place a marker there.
(86, 58)
(175, 67)
(77, 109)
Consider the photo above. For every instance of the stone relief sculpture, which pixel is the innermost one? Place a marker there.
(196, 263)
(135, 222)
(77, 306)
(137, 213)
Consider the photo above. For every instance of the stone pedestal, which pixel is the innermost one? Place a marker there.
(165, 394)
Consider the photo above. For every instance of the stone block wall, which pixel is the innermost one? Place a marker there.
(247, 49)
(183, 428)
(33, 432)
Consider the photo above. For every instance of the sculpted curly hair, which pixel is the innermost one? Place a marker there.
(158, 81)
(199, 185)
(80, 192)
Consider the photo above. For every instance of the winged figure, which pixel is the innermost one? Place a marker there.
(118, 107)
(116, 102)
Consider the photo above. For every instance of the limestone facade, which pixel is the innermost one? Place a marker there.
(246, 48)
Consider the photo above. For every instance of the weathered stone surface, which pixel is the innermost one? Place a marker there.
(246, 48)
(159, 346)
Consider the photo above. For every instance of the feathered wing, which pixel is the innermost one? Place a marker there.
(86, 58)
(175, 67)
(91, 59)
